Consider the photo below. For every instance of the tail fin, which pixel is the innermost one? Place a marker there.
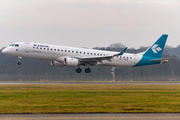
(157, 48)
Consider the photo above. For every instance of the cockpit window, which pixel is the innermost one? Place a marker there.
(16, 45)
(12, 44)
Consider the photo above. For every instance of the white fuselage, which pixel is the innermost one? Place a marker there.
(58, 53)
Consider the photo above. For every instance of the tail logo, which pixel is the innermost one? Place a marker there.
(155, 48)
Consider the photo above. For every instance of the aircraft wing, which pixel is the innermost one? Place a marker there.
(96, 58)
(93, 60)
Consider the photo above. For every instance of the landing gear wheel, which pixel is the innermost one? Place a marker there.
(87, 70)
(19, 63)
(19, 59)
(78, 70)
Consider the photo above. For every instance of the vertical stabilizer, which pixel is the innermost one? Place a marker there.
(157, 48)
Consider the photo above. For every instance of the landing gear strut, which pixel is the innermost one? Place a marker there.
(78, 70)
(87, 70)
(19, 59)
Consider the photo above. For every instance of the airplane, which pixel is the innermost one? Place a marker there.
(72, 56)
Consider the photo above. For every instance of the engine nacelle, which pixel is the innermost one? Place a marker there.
(57, 63)
(71, 62)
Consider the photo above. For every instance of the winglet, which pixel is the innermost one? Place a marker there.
(121, 53)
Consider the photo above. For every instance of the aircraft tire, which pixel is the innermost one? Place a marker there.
(78, 70)
(19, 63)
(87, 70)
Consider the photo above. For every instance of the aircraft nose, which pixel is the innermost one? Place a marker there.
(5, 51)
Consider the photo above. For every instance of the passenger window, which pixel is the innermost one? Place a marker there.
(91, 53)
(44, 48)
(33, 47)
(72, 51)
(87, 53)
(61, 50)
(76, 51)
(37, 47)
(58, 49)
(51, 49)
(97, 54)
(40, 48)
(47, 48)
(84, 53)
(69, 51)
(65, 51)
(100, 54)
(54, 49)
(80, 52)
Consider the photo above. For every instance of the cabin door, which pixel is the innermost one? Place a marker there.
(27, 47)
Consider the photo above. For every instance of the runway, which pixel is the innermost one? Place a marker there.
(94, 83)
(103, 116)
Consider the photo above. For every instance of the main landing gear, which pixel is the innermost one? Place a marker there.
(79, 70)
(19, 60)
(87, 70)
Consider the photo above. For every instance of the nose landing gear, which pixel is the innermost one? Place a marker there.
(19, 59)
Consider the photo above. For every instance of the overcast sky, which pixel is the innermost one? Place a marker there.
(89, 23)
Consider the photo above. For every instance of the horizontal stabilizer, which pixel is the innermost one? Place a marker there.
(164, 60)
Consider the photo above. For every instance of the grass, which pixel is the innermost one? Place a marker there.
(89, 98)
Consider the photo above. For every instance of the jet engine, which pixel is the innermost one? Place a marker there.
(57, 63)
(71, 62)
